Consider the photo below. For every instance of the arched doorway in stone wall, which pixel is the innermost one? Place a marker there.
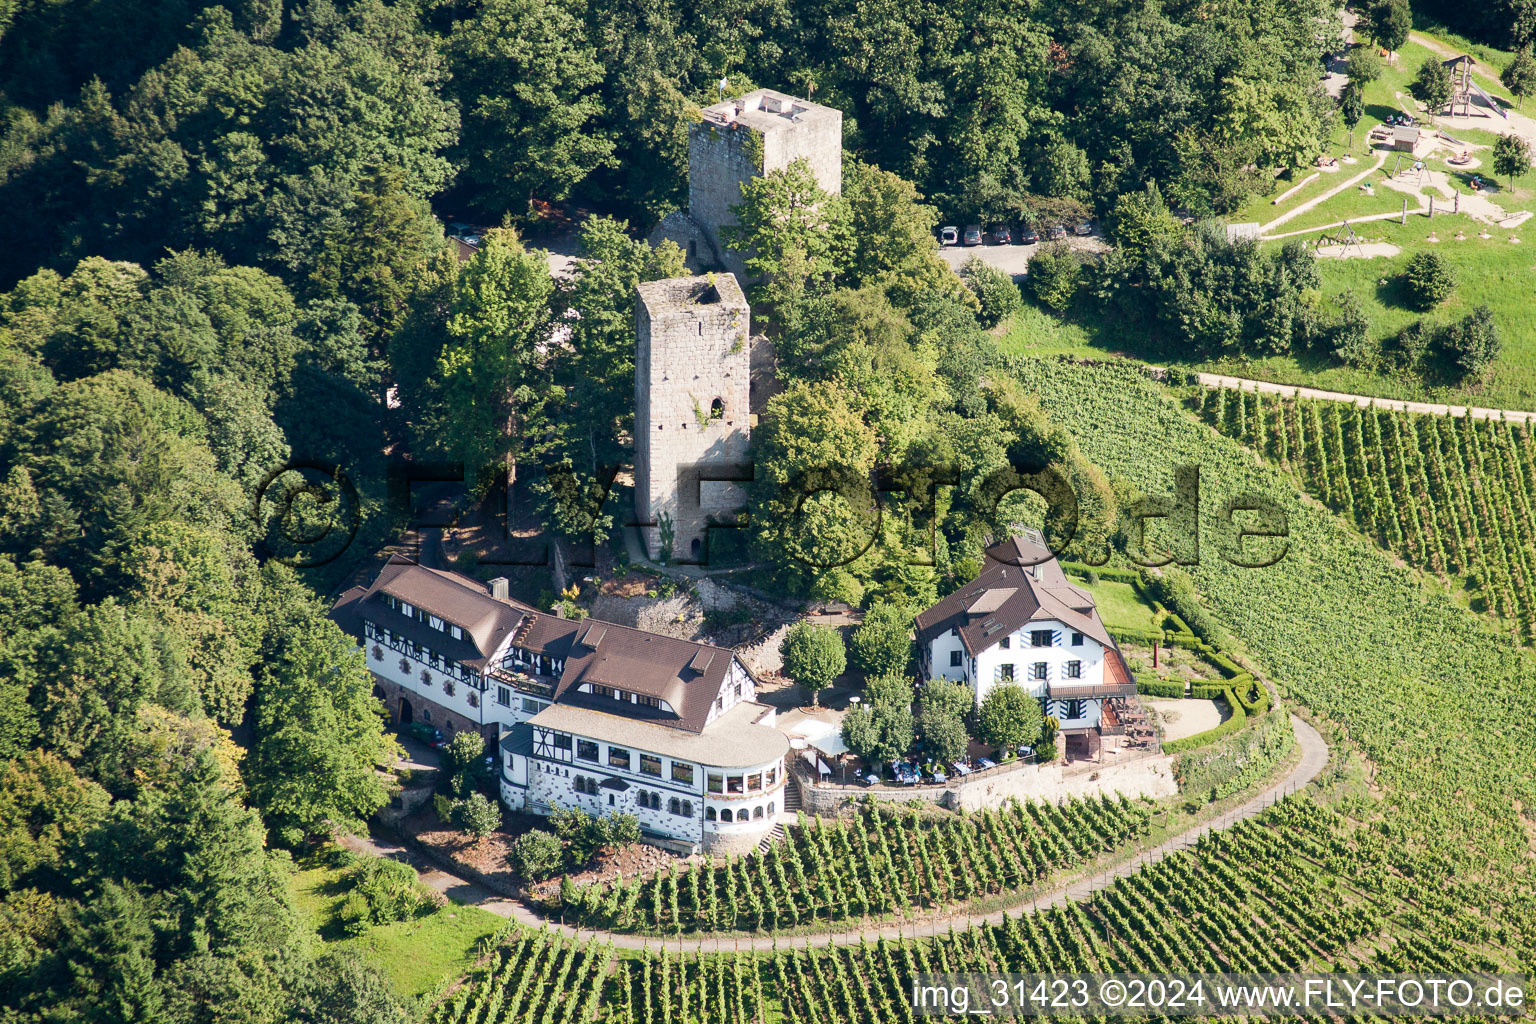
(406, 717)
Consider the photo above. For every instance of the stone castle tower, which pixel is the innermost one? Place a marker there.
(736, 140)
(692, 408)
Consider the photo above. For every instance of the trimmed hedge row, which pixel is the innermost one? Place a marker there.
(1152, 686)
(1237, 721)
(1103, 572)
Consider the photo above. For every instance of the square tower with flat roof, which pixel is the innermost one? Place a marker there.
(692, 405)
(738, 139)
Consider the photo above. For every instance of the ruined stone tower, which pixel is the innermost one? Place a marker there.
(692, 397)
(736, 140)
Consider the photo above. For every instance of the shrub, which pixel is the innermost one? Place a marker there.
(1055, 272)
(477, 815)
(994, 289)
(353, 915)
(616, 830)
(1412, 343)
(388, 889)
(1091, 578)
(1428, 279)
(535, 855)
(1348, 331)
(1177, 591)
(443, 807)
(1471, 345)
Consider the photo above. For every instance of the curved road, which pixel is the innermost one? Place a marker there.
(1314, 756)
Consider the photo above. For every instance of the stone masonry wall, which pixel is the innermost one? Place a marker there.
(720, 159)
(1149, 776)
(819, 141)
(692, 353)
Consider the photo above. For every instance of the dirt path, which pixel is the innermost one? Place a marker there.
(1314, 756)
(1216, 380)
(1381, 158)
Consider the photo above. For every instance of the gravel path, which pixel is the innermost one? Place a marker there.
(1216, 380)
(1314, 756)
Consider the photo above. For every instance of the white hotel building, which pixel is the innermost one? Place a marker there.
(585, 713)
(1022, 623)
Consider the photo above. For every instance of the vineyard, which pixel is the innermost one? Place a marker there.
(1449, 494)
(889, 859)
(531, 979)
(1422, 860)
(1277, 895)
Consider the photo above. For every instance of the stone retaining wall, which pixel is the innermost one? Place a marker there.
(1148, 776)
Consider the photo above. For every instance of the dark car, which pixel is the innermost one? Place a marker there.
(973, 234)
(1085, 228)
(1026, 236)
(1055, 233)
(1002, 234)
(427, 734)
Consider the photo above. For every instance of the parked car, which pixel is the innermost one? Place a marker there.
(432, 737)
(1085, 228)
(1055, 233)
(1002, 235)
(949, 236)
(973, 234)
(1026, 236)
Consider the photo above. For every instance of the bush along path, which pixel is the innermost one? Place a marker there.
(1314, 756)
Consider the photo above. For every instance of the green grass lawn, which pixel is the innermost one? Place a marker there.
(1493, 271)
(1037, 332)
(414, 955)
(1120, 606)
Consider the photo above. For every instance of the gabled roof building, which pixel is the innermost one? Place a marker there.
(582, 713)
(1023, 623)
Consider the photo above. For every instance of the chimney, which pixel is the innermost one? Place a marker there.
(498, 588)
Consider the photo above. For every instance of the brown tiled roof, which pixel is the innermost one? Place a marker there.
(460, 600)
(686, 675)
(1022, 583)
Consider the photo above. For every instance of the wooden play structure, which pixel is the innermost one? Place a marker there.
(1464, 88)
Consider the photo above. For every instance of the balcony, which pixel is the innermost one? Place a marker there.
(523, 683)
(1073, 689)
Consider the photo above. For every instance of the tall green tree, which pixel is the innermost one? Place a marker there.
(526, 81)
(794, 237)
(1009, 717)
(1512, 157)
(883, 642)
(1431, 85)
(492, 389)
(318, 735)
(1519, 75)
(814, 656)
(595, 374)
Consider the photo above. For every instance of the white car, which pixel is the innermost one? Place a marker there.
(949, 236)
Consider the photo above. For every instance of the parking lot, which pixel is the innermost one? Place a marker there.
(1013, 259)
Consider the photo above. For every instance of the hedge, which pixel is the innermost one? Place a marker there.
(1237, 721)
(1179, 626)
(1152, 686)
(1104, 572)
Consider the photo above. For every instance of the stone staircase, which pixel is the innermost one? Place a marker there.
(791, 794)
(774, 835)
